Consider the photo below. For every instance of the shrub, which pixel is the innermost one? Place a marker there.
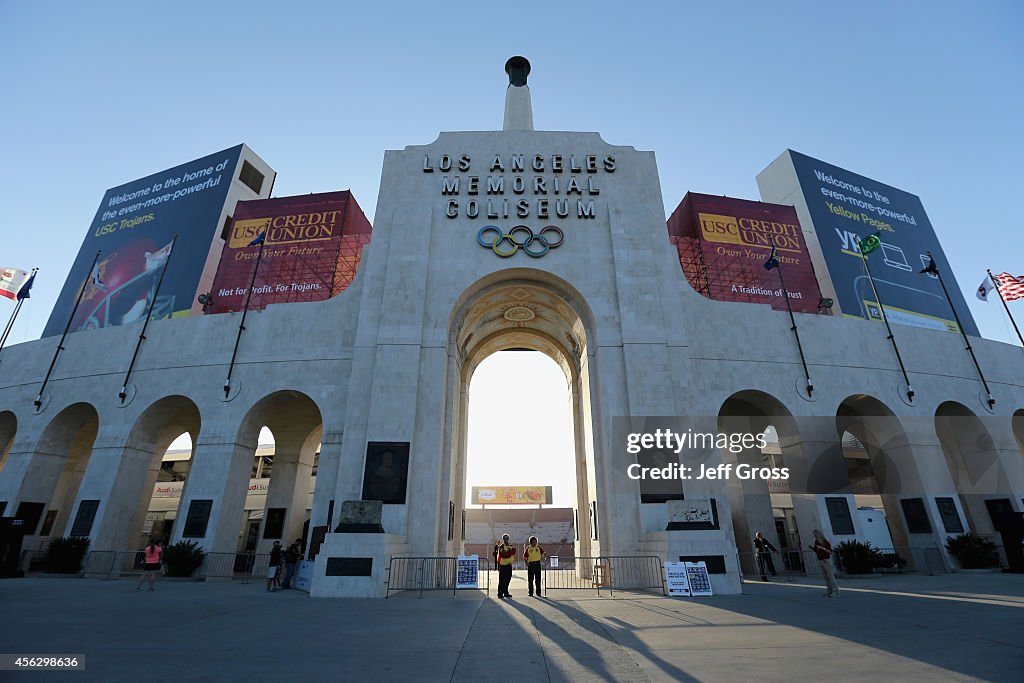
(859, 558)
(65, 555)
(183, 558)
(973, 551)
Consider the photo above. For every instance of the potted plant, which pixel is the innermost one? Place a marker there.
(183, 558)
(65, 555)
(858, 557)
(973, 551)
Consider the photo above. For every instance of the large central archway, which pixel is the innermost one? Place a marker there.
(521, 310)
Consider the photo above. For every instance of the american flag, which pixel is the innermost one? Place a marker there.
(1009, 286)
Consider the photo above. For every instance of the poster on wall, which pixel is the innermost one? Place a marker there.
(724, 243)
(133, 230)
(843, 207)
(311, 249)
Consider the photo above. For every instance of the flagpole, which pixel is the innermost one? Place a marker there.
(17, 308)
(60, 345)
(245, 311)
(792, 320)
(995, 281)
(149, 314)
(970, 349)
(885, 319)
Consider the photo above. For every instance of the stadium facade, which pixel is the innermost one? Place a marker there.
(514, 239)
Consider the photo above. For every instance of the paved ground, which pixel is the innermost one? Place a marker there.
(952, 627)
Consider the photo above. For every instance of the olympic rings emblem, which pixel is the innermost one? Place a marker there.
(520, 237)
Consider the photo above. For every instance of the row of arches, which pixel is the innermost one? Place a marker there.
(924, 478)
(70, 482)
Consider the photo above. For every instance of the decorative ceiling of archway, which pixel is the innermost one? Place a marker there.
(521, 316)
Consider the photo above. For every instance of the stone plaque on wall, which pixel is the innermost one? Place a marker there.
(85, 517)
(387, 471)
(839, 516)
(916, 516)
(658, 490)
(692, 514)
(360, 517)
(197, 518)
(951, 521)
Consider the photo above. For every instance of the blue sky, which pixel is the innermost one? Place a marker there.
(924, 96)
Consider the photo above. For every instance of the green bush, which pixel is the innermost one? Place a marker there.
(859, 558)
(183, 558)
(65, 555)
(973, 551)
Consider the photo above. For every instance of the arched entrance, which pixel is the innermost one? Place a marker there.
(524, 310)
(59, 462)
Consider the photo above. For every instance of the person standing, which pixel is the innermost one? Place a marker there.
(506, 556)
(153, 559)
(823, 551)
(763, 549)
(291, 558)
(274, 567)
(533, 555)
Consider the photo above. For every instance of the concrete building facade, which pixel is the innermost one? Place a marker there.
(482, 242)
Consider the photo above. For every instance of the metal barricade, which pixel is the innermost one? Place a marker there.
(428, 574)
(643, 573)
(128, 563)
(234, 566)
(100, 562)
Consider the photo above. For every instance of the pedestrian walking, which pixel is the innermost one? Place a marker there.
(153, 559)
(763, 550)
(506, 556)
(291, 558)
(274, 567)
(533, 555)
(823, 551)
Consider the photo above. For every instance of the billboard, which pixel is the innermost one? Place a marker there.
(511, 495)
(133, 229)
(312, 248)
(843, 206)
(723, 244)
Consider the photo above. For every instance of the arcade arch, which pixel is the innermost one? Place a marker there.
(879, 465)
(59, 462)
(758, 505)
(149, 480)
(527, 311)
(296, 424)
(973, 460)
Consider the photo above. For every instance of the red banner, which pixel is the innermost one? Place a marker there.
(311, 252)
(723, 244)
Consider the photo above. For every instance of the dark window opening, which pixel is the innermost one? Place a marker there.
(252, 178)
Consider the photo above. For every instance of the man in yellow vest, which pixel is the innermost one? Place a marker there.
(533, 555)
(506, 556)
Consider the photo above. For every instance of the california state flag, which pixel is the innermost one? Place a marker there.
(11, 281)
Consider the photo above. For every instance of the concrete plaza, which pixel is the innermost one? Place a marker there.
(949, 627)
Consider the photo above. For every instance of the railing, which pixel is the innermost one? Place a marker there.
(644, 573)
(234, 566)
(428, 574)
(801, 563)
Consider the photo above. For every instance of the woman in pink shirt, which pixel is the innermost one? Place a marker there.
(151, 569)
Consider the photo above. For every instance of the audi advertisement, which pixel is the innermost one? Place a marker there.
(133, 230)
(845, 207)
(304, 248)
(724, 243)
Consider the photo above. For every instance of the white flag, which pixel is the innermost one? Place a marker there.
(986, 286)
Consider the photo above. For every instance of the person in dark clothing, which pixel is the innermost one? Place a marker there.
(764, 549)
(274, 566)
(291, 558)
(506, 556)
